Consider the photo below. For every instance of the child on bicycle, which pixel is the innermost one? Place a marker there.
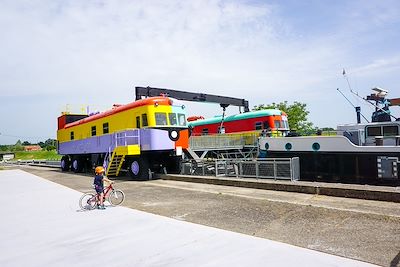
(99, 178)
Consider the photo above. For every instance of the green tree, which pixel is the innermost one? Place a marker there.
(18, 146)
(26, 143)
(4, 148)
(50, 142)
(50, 148)
(297, 115)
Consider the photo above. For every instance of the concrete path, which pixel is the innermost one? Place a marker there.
(42, 225)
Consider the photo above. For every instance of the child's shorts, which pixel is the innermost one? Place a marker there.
(99, 189)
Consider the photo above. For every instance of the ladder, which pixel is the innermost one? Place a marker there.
(115, 164)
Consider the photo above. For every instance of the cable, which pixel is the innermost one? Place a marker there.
(351, 104)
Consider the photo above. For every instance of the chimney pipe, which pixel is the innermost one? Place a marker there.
(358, 111)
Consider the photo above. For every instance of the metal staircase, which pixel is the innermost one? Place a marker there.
(115, 164)
(126, 143)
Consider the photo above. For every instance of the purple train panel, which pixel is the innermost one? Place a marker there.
(148, 139)
(155, 139)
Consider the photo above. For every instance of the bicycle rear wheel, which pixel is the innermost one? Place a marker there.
(116, 197)
(88, 201)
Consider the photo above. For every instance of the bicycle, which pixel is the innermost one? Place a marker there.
(115, 197)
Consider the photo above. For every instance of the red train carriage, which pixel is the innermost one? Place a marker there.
(268, 119)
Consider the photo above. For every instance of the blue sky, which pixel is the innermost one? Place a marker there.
(79, 53)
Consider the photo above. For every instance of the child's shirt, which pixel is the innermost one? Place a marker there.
(98, 180)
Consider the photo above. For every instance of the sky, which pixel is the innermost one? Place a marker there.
(67, 55)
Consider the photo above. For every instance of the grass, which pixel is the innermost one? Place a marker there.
(43, 154)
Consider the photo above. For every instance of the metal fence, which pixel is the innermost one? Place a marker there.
(273, 168)
(223, 140)
(36, 162)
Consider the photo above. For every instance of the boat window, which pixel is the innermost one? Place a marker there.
(258, 125)
(181, 119)
(277, 123)
(172, 119)
(72, 135)
(93, 130)
(374, 131)
(392, 130)
(161, 118)
(138, 122)
(204, 131)
(144, 120)
(105, 128)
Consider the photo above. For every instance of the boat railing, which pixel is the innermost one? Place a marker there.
(223, 140)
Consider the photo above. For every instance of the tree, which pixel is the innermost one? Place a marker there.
(18, 146)
(50, 142)
(49, 148)
(297, 115)
(4, 148)
(26, 143)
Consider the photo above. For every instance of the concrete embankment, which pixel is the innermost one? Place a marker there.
(368, 192)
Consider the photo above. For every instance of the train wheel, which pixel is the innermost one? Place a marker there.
(139, 168)
(65, 163)
(77, 165)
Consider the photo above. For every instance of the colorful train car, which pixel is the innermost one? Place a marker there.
(272, 120)
(140, 137)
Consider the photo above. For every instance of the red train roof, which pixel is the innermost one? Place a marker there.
(161, 100)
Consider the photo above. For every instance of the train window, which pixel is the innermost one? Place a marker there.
(72, 135)
(277, 123)
(258, 125)
(390, 130)
(105, 128)
(181, 119)
(374, 131)
(137, 121)
(204, 131)
(144, 120)
(172, 119)
(161, 118)
(266, 125)
(93, 130)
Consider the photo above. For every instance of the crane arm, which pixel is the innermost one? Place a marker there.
(224, 101)
(394, 102)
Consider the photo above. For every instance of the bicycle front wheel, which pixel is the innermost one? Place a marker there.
(88, 201)
(116, 197)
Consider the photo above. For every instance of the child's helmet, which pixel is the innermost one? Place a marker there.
(99, 169)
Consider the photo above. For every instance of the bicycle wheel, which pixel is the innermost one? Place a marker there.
(88, 201)
(116, 197)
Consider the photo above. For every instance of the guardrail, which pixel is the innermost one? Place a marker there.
(223, 140)
(271, 168)
(36, 162)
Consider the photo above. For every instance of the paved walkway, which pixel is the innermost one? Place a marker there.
(42, 226)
